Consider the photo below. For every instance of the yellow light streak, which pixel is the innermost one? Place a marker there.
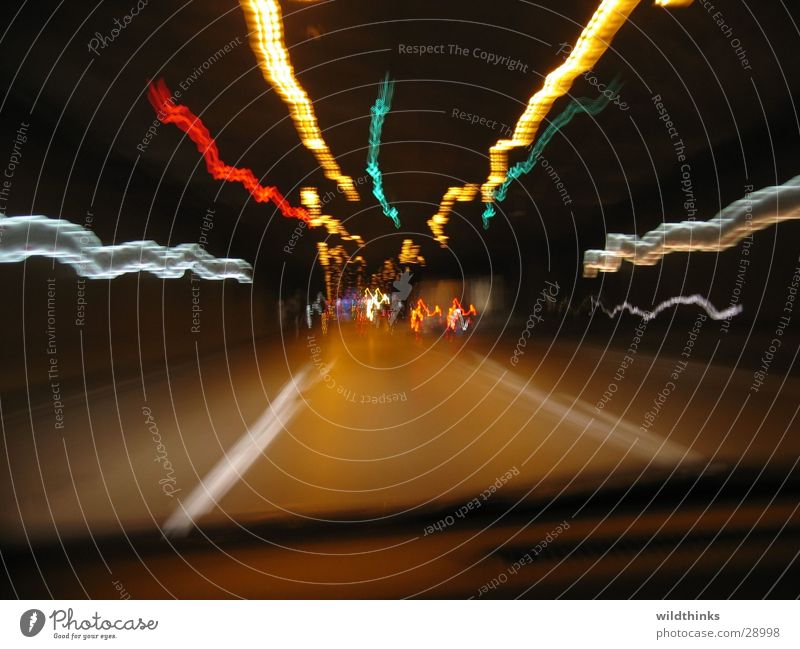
(332, 260)
(309, 197)
(265, 22)
(592, 43)
(374, 300)
(409, 253)
(437, 222)
(594, 40)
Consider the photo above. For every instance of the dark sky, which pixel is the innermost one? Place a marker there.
(87, 114)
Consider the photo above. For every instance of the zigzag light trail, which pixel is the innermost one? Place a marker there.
(69, 243)
(585, 105)
(265, 22)
(374, 300)
(311, 201)
(383, 104)
(420, 312)
(698, 300)
(437, 222)
(593, 42)
(409, 254)
(755, 211)
(459, 317)
(169, 112)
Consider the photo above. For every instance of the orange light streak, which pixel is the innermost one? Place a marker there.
(420, 312)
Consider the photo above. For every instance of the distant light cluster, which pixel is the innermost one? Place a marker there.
(420, 313)
(373, 301)
(459, 318)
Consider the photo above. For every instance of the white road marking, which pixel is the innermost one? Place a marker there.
(241, 456)
(623, 433)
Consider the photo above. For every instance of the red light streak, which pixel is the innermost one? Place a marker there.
(168, 112)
